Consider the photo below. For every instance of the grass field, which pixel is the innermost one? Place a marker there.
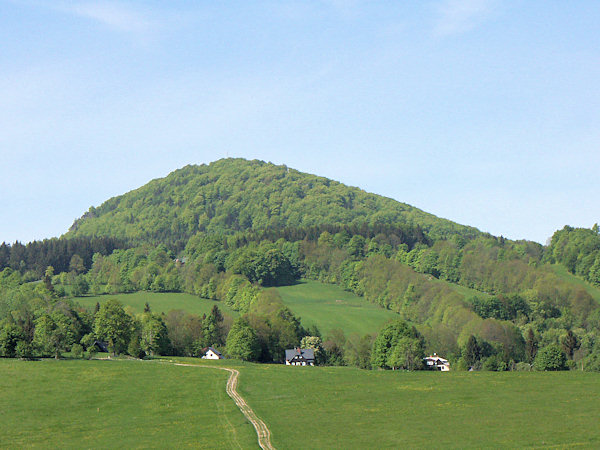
(117, 404)
(337, 407)
(562, 272)
(124, 404)
(160, 302)
(329, 306)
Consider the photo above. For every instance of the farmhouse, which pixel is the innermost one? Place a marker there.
(434, 362)
(300, 357)
(211, 353)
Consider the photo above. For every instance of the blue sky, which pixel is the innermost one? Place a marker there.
(483, 112)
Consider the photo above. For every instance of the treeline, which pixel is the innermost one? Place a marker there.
(578, 249)
(34, 322)
(36, 256)
(517, 291)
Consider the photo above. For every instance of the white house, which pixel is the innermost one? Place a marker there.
(300, 357)
(434, 362)
(211, 353)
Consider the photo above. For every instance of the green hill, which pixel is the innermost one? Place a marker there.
(235, 195)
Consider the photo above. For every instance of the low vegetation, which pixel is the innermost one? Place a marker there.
(350, 408)
(117, 404)
(152, 404)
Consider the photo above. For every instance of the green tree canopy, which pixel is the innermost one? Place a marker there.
(242, 342)
(113, 325)
(550, 357)
(398, 345)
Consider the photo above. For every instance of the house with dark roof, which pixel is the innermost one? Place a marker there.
(300, 357)
(101, 346)
(212, 353)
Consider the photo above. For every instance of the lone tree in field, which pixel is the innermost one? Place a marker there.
(113, 325)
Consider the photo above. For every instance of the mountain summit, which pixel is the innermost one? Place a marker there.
(231, 195)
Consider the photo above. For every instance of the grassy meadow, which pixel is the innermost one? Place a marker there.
(123, 404)
(328, 306)
(117, 404)
(563, 273)
(337, 407)
(160, 302)
(325, 305)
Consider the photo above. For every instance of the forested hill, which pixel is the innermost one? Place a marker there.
(232, 230)
(233, 195)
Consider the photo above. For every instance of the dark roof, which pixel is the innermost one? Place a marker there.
(102, 346)
(217, 352)
(306, 353)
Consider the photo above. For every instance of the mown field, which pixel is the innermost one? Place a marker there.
(337, 407)
(328, 306)
(117, 404)
(160, 302)
(90, 404)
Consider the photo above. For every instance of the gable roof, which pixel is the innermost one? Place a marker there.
(215, 351)
(306, 353)
(436, 359)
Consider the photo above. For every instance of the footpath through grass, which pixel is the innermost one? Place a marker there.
(132, 404)
(117, 404)
(328, 306)
(327, 407)
(160, 302)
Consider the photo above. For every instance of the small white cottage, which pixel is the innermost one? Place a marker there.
(211, 353)
(434, 362)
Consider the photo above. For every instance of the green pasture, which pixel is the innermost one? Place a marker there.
(160, 302)
(125, 404)
(337, 407)
(563, 273)
(117, 404)
(328, 306)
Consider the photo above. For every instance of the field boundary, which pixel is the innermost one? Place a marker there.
(262, 431)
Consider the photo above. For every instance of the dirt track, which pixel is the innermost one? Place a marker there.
(264, 435)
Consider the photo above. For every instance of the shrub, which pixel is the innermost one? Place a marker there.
(77, 351)
(523, 367)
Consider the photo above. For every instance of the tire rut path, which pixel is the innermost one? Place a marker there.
(262, 431)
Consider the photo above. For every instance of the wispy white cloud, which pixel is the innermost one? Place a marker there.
(460, 16)
(115, 15)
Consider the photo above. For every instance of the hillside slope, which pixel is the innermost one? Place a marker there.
(232, 195)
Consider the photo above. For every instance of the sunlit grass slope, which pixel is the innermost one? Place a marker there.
(338, 407)
(329, 306)
(117, 404)
(160, 302)
(562, 272)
